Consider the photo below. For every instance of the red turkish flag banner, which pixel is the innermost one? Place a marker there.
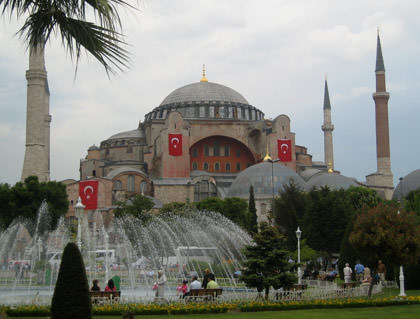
(285, 150)
(88, 192)
(175, 144)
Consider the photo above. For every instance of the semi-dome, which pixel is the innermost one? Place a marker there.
(260, 176)
(128, 134)
(334, 181)
(206, 100)
(409, 183)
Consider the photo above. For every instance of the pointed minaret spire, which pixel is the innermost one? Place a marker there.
(379, 58)
(382, 180)
(328, 127)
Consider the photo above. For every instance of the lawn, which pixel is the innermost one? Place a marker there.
(400, 312)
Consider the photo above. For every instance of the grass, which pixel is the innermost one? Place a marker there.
(400, 312)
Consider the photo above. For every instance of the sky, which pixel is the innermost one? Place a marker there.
(275, 53)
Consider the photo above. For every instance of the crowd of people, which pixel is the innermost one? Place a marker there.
(363, 274)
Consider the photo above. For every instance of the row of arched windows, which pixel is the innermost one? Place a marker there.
(216, 167)
(216, 150)
(130, 185)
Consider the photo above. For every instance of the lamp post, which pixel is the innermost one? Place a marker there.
(298, 234)
(78, 211)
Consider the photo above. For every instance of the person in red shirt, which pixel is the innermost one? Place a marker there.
(110, 286)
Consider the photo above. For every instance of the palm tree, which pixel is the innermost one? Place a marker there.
(100, 36)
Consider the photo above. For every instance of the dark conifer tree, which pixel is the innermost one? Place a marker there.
(71, 298)
(253, 221)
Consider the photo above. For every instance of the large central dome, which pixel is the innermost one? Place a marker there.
(204, 92)
(206, 101)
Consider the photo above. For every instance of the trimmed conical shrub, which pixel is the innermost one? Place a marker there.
(71, 298)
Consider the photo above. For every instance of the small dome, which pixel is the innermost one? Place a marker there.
(204, 92)
(308, 173)
(93, 148)
(128, 134)
(260, 177)
(332, 180)
(409, 183)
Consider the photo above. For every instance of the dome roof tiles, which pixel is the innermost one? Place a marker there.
(128, 134)
(260, 177)
(332, 180)
(204, 92)
(409, 183)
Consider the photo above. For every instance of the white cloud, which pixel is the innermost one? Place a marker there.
(275, 53)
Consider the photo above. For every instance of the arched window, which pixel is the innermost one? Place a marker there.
(194, 166)
(194, 152)
(216, 167)
(216, 150)
(227, 167)
(130, 183)
(206, 150)
(206, 166)
(143, 187)
(117, 185)
(204, 189)
(227, 150)
(238, 167)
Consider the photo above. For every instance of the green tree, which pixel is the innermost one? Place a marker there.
(138, 206)
(326, 219)
(91, 25)
(266, 262)
(252, 211)
(388, 233)
(71, 294)
(412, 201)
(175, 207)
(290, 207)
(234, 208)
(24, 200)
(361, 197)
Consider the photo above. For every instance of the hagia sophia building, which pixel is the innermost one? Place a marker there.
(203, 140)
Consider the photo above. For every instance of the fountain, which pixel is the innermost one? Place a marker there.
(126, 248)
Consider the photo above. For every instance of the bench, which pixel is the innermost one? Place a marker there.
(105, 297)
(204, 294)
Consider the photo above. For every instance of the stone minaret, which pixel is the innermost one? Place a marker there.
(328, 127)
(382, 179)
(38, 119)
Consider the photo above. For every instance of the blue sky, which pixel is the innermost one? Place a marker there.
(275, 53)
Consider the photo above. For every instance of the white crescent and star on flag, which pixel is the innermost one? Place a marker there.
(175, 142)
(86, 191)
(284, 148)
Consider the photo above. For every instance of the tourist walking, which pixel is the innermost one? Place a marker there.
(381, 270)
(359, 270)
(347, 273)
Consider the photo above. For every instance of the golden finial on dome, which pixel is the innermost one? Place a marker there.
(267, 156)
(204, 79)
(330, 170)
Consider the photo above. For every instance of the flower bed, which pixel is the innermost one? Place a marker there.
(332, 303)
(198, 308)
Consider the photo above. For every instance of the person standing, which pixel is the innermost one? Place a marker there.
(347, 273)
(381, 270)
(161, 281)
(207, 274)
(359, 270)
